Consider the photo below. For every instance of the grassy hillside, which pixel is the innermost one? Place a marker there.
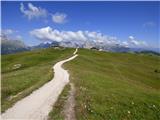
(116, 86)
(24, 72)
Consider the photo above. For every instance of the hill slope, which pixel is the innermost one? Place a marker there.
(24, 72)
(116, 86)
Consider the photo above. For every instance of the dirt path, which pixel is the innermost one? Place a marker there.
(75, 52)
(69, 112)
(39, 103)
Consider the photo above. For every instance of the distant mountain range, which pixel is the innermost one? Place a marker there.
(145, 49)
(45, 45)
(13, 46)
(148, 52)
(9, 46)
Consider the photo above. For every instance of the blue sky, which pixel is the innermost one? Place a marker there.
(123, 20)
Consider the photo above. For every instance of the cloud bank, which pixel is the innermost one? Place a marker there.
(50, 34)
(83, 37)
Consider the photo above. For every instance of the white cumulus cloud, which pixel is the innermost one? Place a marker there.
(32, 11)
(50, 34)
(59, 18)
(131, 37)
(133, 42)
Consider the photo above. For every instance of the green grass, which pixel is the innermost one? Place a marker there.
(116, 86)
(35, 70)
(57, 111)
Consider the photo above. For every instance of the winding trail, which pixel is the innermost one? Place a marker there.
(39, 103)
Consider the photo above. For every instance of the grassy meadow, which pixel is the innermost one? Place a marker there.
(109, 86)
(115, 86)
(24, 72)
